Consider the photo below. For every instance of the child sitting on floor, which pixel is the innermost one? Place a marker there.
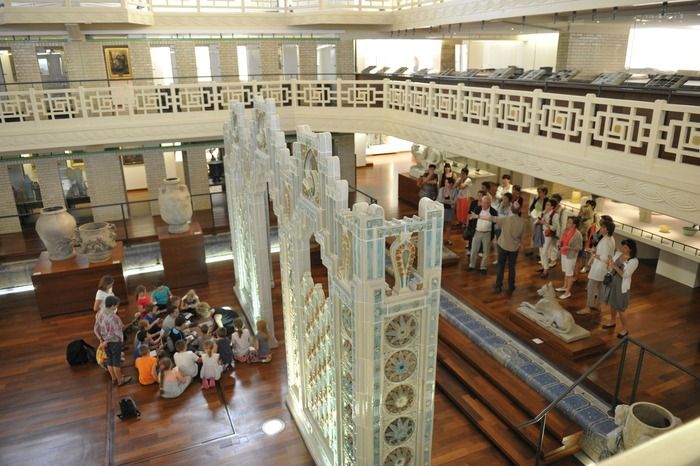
(145, 365)
(223, 347)
(262, 351)
(145, 338)
(240, 341)
(211, 370)
(186, 361)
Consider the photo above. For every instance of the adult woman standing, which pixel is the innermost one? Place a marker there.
(601, 254)
(463, 196)
(621, 266)
(447, 196)
(447, 174)
(104, 289)
(570, 244)
(549, 220)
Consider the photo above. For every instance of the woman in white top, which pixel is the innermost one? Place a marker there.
(104, 289)
(601, 254)
(550, 226)
(240, 341)
(617, 293)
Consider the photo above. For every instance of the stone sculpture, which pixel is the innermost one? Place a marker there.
(549, 314)
(643, 421)
(97, 240)
(175, 205)
(56, 228)
(424, 157)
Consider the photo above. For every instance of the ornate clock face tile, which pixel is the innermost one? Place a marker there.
(401, 330)
(399, 457)
(399, 399)
(400, 366)
(399, 431)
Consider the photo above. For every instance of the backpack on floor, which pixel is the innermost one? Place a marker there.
(78, 352)
(128, 409)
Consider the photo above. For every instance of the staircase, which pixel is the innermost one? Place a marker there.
(496, 401)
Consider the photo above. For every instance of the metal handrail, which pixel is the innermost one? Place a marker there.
(541, 418)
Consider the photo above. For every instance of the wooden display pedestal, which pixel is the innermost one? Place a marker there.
(184, 260)
(574, 350)
(408, 189)
(68, 286)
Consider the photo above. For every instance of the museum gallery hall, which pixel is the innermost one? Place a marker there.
(349, 233)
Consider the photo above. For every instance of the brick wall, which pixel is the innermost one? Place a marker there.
(447, 54)
(50, 182)
(307, 60)
(7, 203)
(85, 60)
(155, 174)
(345, 59)
(270, 59)
(185, 61)
(197, 177)
(592, 53)
(25, 61)
(106, 186)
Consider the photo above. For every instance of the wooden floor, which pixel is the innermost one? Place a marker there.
(53, 414)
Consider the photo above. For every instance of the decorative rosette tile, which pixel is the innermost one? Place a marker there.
(399, 457)
(399, 431)
(399, 399)
(400, 366)
(401, 330)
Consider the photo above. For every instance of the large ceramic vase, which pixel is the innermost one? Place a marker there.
(56, 228)
(97, 240)
(175, 205)
(643, 421)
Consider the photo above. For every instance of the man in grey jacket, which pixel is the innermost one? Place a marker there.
(509, 243)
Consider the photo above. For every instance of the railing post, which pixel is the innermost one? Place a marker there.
(459, 102)
(431, 97)
(540, 441)
(81, 101)
(32, 100)
(637, 373)
(536, 111)
(406, 97)
(588, 120)
(338, 92)
(618, 380)
(493, 106)
(386, 93)
(655, 127)
(126, 228)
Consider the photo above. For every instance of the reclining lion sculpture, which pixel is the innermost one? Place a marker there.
(548, 311)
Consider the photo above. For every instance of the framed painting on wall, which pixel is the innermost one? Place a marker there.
(118, 62)
(132, 159)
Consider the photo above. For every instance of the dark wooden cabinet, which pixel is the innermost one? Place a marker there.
(184, 260)
(63, 287)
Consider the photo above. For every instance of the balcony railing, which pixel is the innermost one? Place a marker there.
(231, 6)
(651, 130)
(144, 5)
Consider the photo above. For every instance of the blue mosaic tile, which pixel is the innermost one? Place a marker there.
(557, 390)
(574, 403)
(532, 369)
(604, 427)
(495, 341)
(592, 414)
(484, 333)
(546, 379)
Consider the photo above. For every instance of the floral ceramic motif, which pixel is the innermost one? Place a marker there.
(399, 399)
(399, 457)
(401, 330)
(400, 366)
(346, 316)
(399, 431)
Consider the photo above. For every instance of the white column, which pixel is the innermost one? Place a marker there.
(7, 204)
(155, 174)
(360, 149)
(197, 177)
(106, 186)
(345, 150)
(50, 182)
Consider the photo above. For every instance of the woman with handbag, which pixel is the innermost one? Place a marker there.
(600, 255)
(621, 267)
(570, 244)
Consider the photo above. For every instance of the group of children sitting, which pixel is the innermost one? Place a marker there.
(171, 351)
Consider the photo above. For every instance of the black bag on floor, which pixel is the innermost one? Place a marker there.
(78, 352)
(128, 409)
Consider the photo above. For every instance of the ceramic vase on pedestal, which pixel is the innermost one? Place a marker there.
(56, 228)
(175, 205)
(97, 240)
